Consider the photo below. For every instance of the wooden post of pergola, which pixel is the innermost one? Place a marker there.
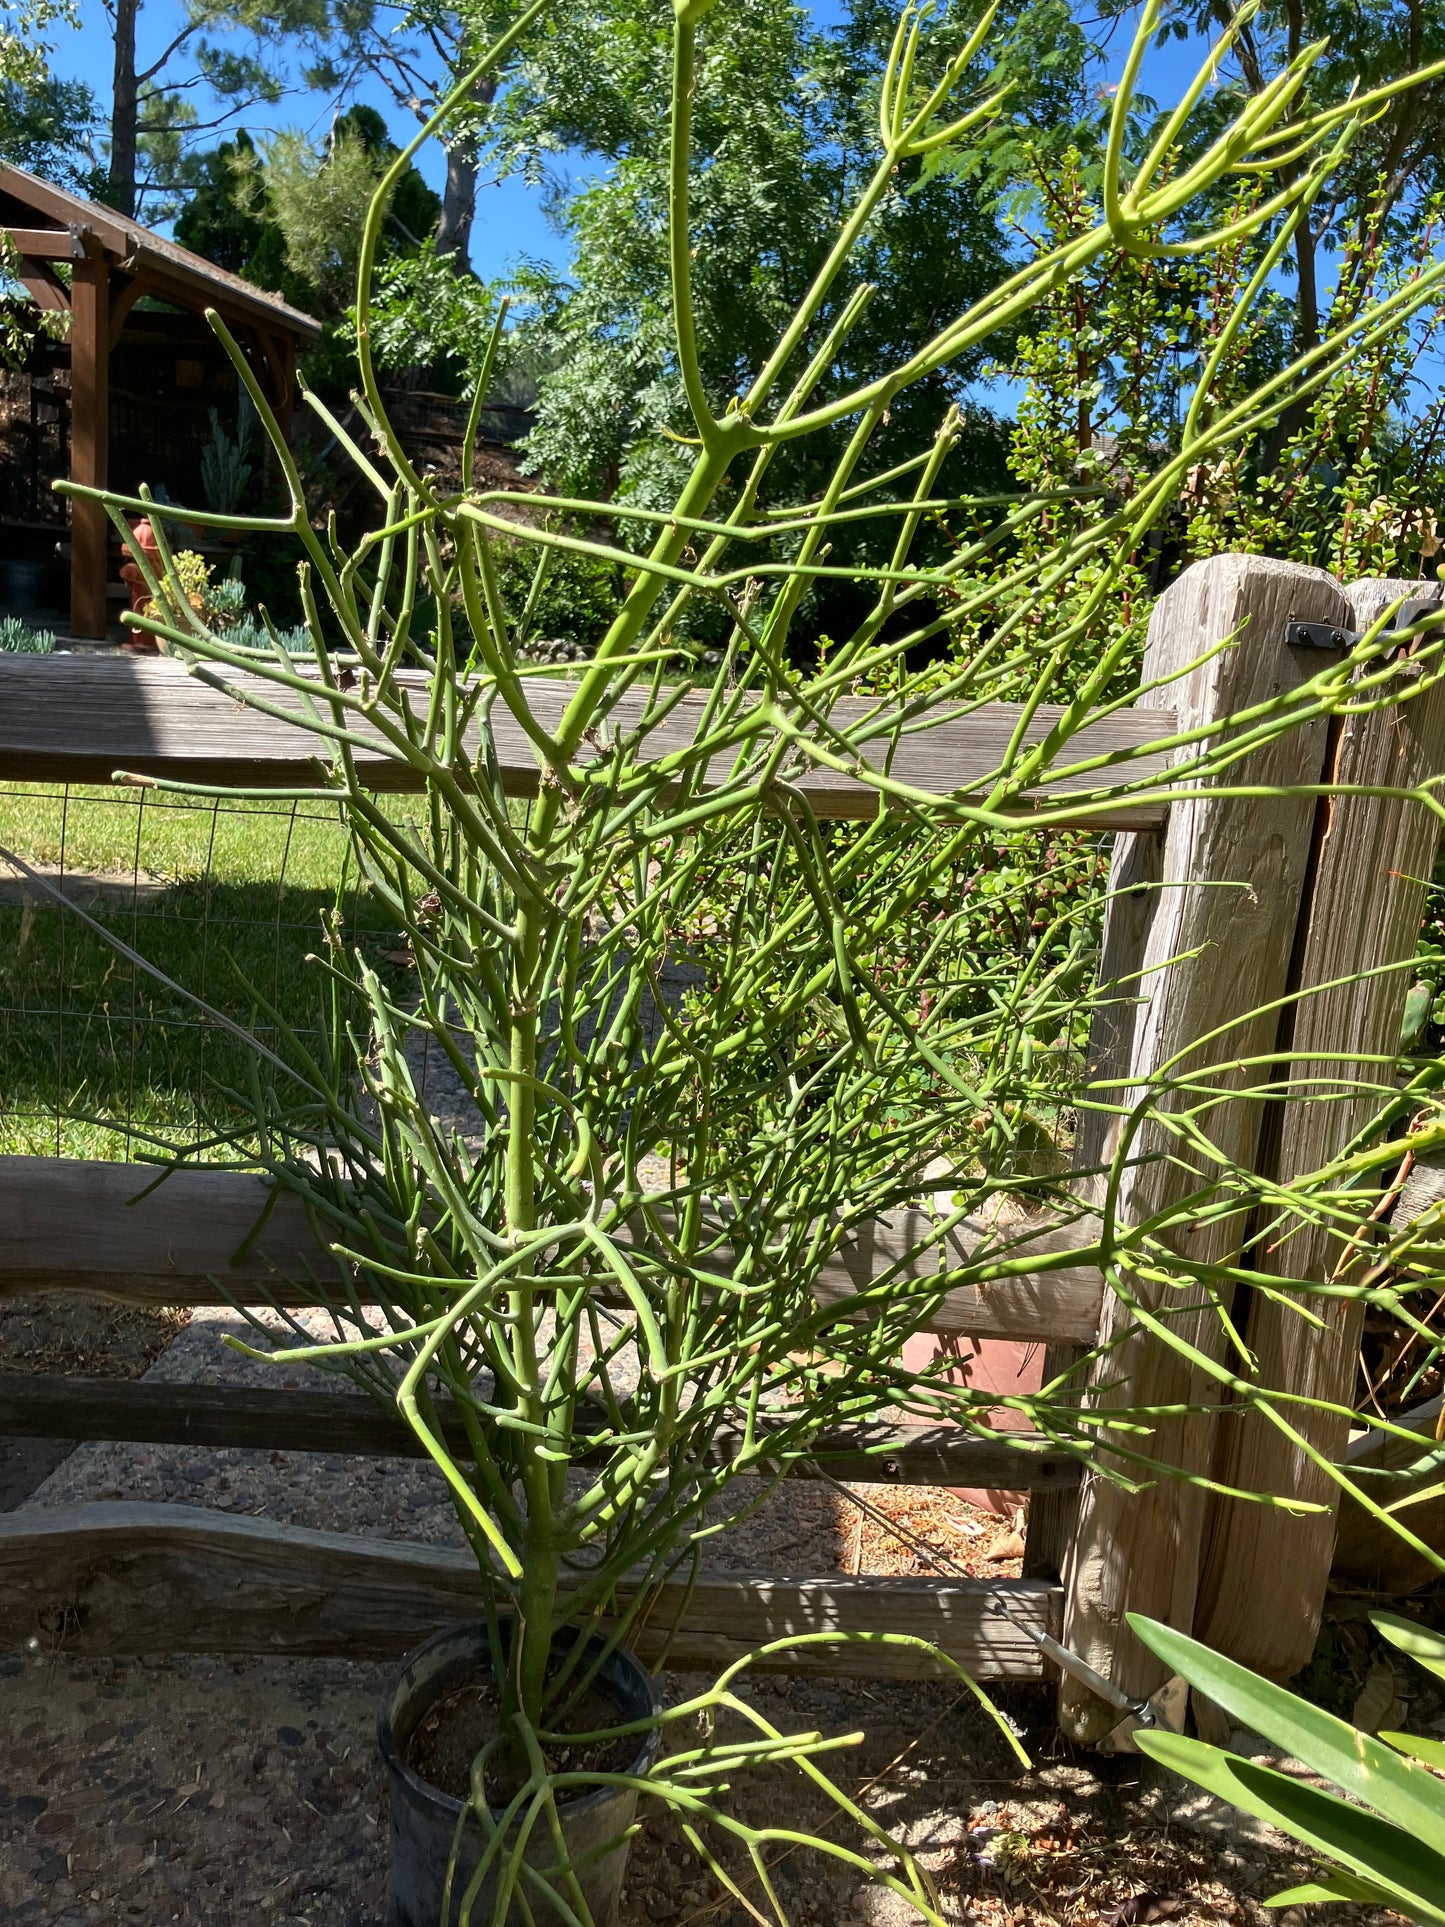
(113, 261)
(89, 437)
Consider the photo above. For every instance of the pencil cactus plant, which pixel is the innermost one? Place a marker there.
(605, 1250)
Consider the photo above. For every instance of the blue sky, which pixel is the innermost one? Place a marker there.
(510, 221)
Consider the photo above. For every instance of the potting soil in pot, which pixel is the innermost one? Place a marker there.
(443, 1707)
(456, 1727)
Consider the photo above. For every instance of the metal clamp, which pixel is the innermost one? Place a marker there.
(1143, 1710)
(1319, 635)
(1330, 635)
(1415, 610)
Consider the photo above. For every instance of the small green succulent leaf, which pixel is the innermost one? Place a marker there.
(1405, 1793)
(1427, 1649)
(1430, 1752)
(1396, 1862)
(1416, 1019)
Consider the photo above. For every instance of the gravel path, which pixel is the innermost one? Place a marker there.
(64, 1336)
(226, 1794)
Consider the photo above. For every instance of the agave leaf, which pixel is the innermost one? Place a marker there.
(1423, 1646)
(1416, 1498)
(1431, 1752)
(1337, 1886)
(1395, 1862)
(1405, 1793)
(1380, 1853)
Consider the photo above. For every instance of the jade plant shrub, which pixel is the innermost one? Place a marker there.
(698, 1039)
(1385, 1843)
(1106, 367)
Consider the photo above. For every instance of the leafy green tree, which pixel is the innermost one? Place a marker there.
(46, 123)
(225, 216)
(766, 193)
(426, 315)
(288, 215)
(784, 124)
(318, 200)
(46, 127)
(24, 46)
(420, 51)
(232, 53)
(414, 208)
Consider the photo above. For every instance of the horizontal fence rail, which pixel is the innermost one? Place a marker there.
(113, 1231)
(79, 719)
(352, 1424)
(129, 1579)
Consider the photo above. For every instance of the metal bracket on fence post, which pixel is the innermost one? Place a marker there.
(1318, 635)
(1330, 635)
(1164, 1708)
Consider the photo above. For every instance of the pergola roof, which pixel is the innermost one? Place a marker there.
(115, 262)
(69, 228)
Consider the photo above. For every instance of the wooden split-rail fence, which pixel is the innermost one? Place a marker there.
(1333, 889)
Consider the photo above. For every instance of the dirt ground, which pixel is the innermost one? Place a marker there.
(230, 1793)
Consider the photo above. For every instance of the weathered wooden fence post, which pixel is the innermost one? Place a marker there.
(1135, 869)
(1140, 1551)
(1265, 1572)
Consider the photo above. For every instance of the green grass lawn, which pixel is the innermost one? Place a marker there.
(95, 1053)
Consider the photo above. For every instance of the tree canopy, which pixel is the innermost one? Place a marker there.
(783, 127)
(288, 214)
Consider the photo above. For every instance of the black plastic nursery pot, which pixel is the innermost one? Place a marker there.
(424, 1819)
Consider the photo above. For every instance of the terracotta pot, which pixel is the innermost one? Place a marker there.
(142, 543)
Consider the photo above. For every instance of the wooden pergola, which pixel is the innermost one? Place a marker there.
(113, 262)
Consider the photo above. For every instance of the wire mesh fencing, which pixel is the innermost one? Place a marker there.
(103, 1058)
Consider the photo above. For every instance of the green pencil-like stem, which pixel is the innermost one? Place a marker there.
(704, 1042)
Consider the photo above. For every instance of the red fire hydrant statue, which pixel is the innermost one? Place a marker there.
(142, 543)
